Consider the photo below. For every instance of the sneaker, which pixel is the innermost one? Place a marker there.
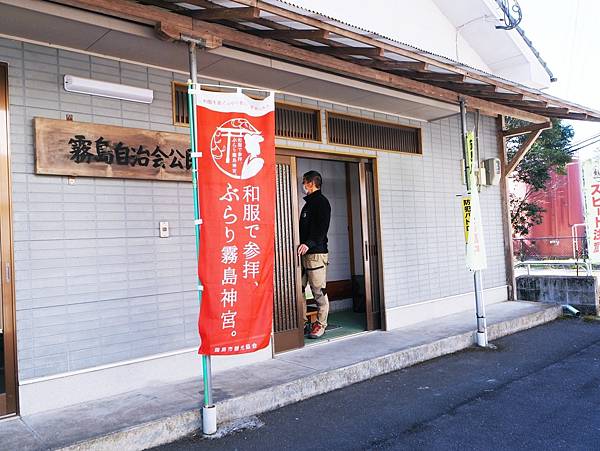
(307, 328)
(317, 330)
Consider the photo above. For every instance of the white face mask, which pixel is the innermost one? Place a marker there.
(304, 190)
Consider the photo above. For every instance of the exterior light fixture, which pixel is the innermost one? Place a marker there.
(106, 89)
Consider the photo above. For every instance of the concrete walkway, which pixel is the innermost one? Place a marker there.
(161, 414)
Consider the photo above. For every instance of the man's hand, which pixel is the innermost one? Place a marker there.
(302, 249)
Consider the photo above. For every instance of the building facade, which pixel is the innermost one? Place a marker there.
(103, 304)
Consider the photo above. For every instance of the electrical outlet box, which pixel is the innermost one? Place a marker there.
(163, 229)
(493, 171)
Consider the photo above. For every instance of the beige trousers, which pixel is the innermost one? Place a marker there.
(314, 273)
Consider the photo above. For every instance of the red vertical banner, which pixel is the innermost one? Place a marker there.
(236, 193)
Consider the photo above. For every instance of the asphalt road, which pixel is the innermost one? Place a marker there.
(539, 390)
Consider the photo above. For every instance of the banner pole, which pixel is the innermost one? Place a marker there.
(209, 417)
(482, 338)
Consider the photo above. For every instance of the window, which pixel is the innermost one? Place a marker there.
(290, 121)
(365, 133)
(297, 123)
(180, 104)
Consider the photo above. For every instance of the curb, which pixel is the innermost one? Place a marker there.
(166, 430)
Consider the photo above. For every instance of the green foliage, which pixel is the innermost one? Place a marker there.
(549, 153)
(524, 214)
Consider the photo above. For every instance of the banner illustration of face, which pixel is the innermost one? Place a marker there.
(235, 148)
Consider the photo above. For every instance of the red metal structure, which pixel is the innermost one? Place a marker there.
(563, 218)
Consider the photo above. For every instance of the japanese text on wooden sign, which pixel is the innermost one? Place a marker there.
(96, 150)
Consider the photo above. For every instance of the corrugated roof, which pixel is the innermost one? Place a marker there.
(283, 30)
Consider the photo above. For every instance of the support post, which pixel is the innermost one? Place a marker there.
(506, 219)
(533, 131)
(482, 339)
(209, 414)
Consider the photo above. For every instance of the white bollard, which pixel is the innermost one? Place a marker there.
(482, 339)
(209, 420)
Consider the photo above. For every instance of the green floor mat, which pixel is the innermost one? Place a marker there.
(348, 323)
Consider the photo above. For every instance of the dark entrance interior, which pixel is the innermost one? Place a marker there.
(353, 271)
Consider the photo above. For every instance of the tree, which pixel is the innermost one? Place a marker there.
(550, 153)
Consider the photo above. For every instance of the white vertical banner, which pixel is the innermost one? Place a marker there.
(476, 256)
(590, 174)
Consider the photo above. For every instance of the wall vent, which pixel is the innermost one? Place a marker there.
(297, 123)
(369, 134)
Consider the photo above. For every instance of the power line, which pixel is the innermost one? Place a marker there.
(584, 146)
(583, 141)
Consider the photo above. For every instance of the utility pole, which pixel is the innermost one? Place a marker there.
(482, 338)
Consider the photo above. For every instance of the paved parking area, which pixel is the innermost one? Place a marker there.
(539, 390)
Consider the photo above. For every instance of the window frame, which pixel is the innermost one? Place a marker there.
(304, 108)
(418, 130)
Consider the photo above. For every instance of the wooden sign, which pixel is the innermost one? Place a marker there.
(95, 150)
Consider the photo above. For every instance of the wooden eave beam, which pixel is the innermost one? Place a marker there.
(135, 12)
(510, 132)
(526, 104)
(467, 87)
(577, 116)
(164, 4)
(500, 96)
(551, 110)
(170, 33)
(397, 65)
(305, 57)
(282, 12)
(478, 87)
(290, 53)
(244, 13)
(516, 159)
(436, 76)
(372, 52)
(203, 3)
(292, 34)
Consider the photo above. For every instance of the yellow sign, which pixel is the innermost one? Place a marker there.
(475, 249)
(470, 139)
(466, 204)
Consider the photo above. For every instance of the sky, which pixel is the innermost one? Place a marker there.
(567, 35)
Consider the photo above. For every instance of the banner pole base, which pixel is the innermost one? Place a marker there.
(482, 339)
(209, 420)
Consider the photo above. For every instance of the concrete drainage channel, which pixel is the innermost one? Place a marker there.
(240, 413)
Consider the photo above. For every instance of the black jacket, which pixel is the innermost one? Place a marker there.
(314, 223)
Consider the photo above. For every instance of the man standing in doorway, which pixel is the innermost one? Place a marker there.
(314, 225)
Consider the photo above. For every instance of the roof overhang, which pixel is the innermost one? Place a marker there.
(507, 53)
(287, 37)
(64, 27)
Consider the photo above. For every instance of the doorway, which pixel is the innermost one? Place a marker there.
(8, 394)
(353, 279)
